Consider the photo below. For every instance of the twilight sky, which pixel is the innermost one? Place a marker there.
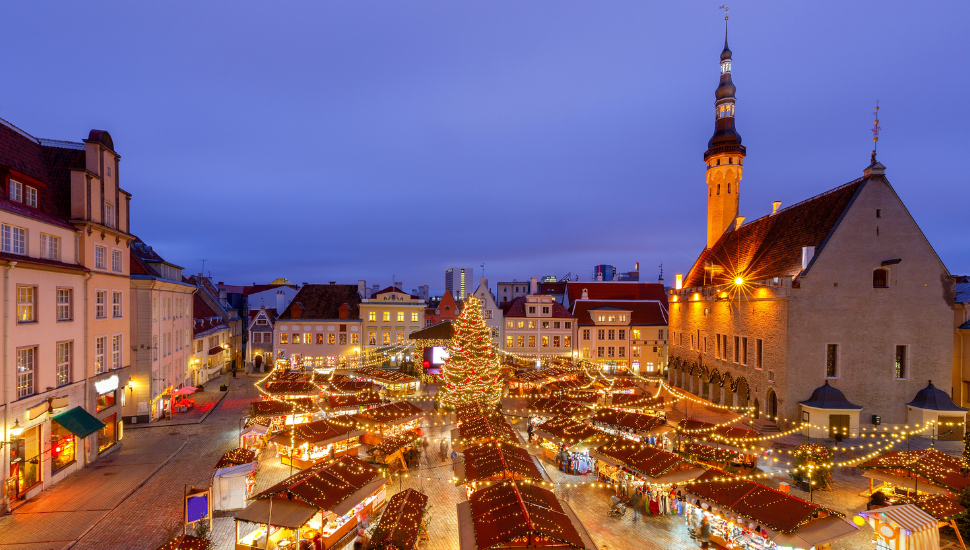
(340, 141)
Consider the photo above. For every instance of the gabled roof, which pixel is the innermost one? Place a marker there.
(616, 290)
(963, 293)
(932, 464)
(205, 318)
(325, 486)
(508, 512)
(653, 312)
(517, 309)
(394, 289)
(253, 289)
(493, 462)
(324, 301)
(444, 330)
(400, 522)
(772, 246)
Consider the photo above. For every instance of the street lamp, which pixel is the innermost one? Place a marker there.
(15, 432)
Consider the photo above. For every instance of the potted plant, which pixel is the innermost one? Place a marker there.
(223, 387)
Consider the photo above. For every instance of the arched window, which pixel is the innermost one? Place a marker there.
(729, 189)
(880, 278)
(719, 189)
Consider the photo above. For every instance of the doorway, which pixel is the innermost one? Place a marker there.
(950, 428)
(771, 405)
(838, 426)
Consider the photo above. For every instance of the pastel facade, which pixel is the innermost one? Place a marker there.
(259, 352)
(320, 327)
(537, 326)
(389, 317)
(211, 343)
(961, 343)
(494, 317)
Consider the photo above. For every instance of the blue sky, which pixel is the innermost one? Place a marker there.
(340, 141)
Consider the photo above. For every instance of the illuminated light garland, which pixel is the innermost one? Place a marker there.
(472, 372)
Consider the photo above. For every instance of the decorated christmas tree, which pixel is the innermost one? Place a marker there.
(471, 372)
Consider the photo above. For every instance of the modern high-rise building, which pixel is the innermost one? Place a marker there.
(458, 281)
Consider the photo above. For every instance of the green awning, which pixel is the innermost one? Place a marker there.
(79, 422)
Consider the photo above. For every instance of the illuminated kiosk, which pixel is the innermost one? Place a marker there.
(391, 451)
(545, 409)
(636, 403)
(530, 381)
(322, 503)
(917, 473)
(484, 465)
(304, 445)
(627, 425)
(278, 414)
(516, 514)
(347, 396)
(721, 437)
(388, 420)
(394, 382)
(562, 432)
(402, 523)
(649, 465)
(487, 428)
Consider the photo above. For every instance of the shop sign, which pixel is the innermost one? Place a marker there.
(106, 385)
(38, 410)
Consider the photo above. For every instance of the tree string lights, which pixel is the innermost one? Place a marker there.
(472, 372)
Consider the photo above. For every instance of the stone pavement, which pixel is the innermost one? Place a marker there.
(205, 403)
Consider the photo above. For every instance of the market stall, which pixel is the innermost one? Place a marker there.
(324, 503)
(745, 514)
(280, 413)
(718, 457)
(648, 465)
(232, 486)
(483, 465)
(643, 428)
(291, 389)
(636, 403)
(617, 386)
(236, 457)
(402, 522)
(185, 542)
(348, 396)
(253, 435)
(561, 389)
(394, 382)
(513, 514)
(903, 527)
(484, 429)
(396, 452)
(915, 472)
(389, 420)
(560, 438)
(307, 444)
(582, 397)
(472, 410)
(530, 381)
(545, 408)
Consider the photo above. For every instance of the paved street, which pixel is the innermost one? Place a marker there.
(131, 498)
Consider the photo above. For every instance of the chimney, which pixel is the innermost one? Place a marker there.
(331, 282)
(585, 295)
(398, 284)
(280, 301)
(296, 312)
(808, 252)
(533, 286)
(774, 207)
(362, 288)
(636, 266)
(343, 312)
(737, 222)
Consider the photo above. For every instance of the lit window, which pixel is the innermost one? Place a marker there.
(623, 318)
(386, 338)
(371, 315)
(296, 338)
(545, 341)
(387, 315)
(900, 366)
(116, 310)
(414, 316)
(14, 239)
(611, 318)
(400, 316)
(635, 334)
(521, 341)
(532, 324)
(50, 247)
(510, 324)
(635, 352)
(284, 338)
(372, 338)
(64, 363)
(532, 341)
(509, 341)
(65, 302)
(331, 338)
(354, 339)
(319, 337)
(545, 324)
(25, 371)
(586, 352)
(99, 253)
(567, 341)
(25, 304)
(555, 341)
(521, 324)
(343, 339)
(488, 313)
(400, 338)
(307, 338)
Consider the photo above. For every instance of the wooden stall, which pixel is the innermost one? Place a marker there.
(185, 542)
(402, 523)
(513, 515)
(529, 382)
(395, 451)
(389, 420)
(632, 402)
(644, 428)
(394, 382)
(650, 465)
(236, 457)
(561, 433)
(291, 389)
(545, 409)
(483, 465)
(487, 428)
(307, 444)
(278, 414)
(320, 506)
(912, 473)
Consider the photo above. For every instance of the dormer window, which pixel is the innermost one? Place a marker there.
(30, 196)
(16, 191)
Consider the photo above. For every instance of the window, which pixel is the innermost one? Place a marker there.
(372, 338)
(487, 312)
(611, 318)
(154, 309)
(623, 318)
(532, 341)
(532, 309)
(342, 339)
(400, 316)
(880, 278)
(545, 341)
(737, 349)
(62, 447)
(545, 310)
(116, 261)
(14, 239)
(116, 350)
(901, 362)
(25, 304)
(718, 342)
(25, 371)
(50, 247)
(331, 338)
(521, 340)
(611, 334)
(99, 253)
(284, 338)
(509, 341)
(831, 360)
(585, 334)
(371, 315)
(622, 351)
(622, 334)
(109, 214)
(600, 351)
(319, 339)
(154, 348)
(387, 338)
(635, 334)
(414, 316)
(354, 339)
(296, 338)
(521, 324)
(116, 310)
(555, 341)
(744, 351)
(545, 324)
(64, 363)
(878, 213)
(510, 324)
(585, 352)
(400, 338)
(99, 344)
(567, 341)
(532, 324)
(16, 191)
(611, 352)
(757, 353)
(635, 352)
(568, 324)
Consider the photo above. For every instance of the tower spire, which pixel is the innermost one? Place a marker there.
(875, 132)
(725, 154)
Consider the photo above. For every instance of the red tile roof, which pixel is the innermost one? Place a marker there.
(386, 414)
(517, 309)
(202, 314)
(641, 313)
(554, 407)
(491, 427)
(360, 399)
(324, 301)
(616, 290)
(318, 430)
(273, 407)
(325, 486)
(290, 387)
(772, 246)
(704, 430)
(627, 420)
(395, 289)
(569, 431)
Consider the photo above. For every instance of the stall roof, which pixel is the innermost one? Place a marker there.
(538, 376)
(291, 514)
(288, 387)
(283, 375)
(363, 398)
(704, 430)
(648, 461)
(390, 445)
(709, 453)
(577, 396)
(485, 462)
(907, 516)
(629, 401)
(566, 430)
(508, 511)
(390, 414)
(79, 422)
(936, 466)
(236, 470)
(555, 407)
(487, 427)
(324, 486)
(472, 410)
(816, 533)
(569, 385)
(386, 376)
(341, 384)
(615, 384)
(319, 433)
(400, 522)
(236, 456)
(275, 407)
(627, 420)
(940, 507)
(185, 542)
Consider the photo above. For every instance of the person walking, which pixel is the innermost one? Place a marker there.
(530, 430)
(636, 502)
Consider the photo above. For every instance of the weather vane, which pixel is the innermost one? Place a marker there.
(875, 132)
(725, 8)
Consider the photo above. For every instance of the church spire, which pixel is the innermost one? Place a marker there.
(725, 154)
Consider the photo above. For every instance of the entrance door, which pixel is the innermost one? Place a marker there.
(950, 428)
(771, 406)
(838, 426)
(757, 408)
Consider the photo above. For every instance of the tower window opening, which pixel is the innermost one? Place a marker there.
(719, 189)
(718, 162)
(730, 161)
(729, 189)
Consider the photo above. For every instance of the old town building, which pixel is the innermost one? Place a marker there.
(492, 312)
(320, 327)
(961, 342)
(389, 318)
(259, 341)
(840, 289)
(161, 319)
(443, 309)
(211, 337)
(538, 327)
(65, 240)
